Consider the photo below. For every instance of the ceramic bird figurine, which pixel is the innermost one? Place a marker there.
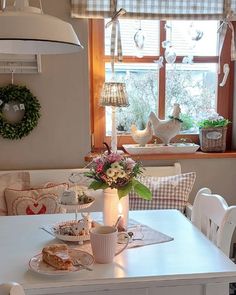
(142, 136)
(167, 129)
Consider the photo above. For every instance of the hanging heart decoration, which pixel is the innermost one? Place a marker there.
(170, 55)
(188, 60)
(139, 39)
(159, 62)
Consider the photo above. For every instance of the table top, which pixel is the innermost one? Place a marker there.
(190, 256)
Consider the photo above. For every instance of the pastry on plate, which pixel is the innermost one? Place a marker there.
(57, 255)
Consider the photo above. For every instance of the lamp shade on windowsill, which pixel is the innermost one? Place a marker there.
(29, 31)
(114, 94)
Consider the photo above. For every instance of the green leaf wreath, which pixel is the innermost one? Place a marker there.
(21, 95)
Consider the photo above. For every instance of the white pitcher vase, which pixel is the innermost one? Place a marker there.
(114, 207)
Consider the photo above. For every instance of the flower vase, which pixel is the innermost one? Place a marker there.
(114, 208)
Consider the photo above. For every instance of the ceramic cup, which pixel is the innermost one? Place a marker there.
(104, 242)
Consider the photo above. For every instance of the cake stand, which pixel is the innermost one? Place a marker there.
(85, 222)
(76, 207)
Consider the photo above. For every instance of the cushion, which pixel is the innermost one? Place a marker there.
(15, 180)
(169, 192)
(34, 201)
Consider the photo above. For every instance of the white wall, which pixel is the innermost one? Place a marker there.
(62, 137)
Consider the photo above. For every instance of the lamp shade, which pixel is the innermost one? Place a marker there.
(114, 94)
(29, 31)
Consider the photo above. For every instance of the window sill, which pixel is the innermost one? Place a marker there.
(197, 155)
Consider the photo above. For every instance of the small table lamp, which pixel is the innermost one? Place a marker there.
(114, 94)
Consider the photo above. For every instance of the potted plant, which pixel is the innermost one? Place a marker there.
(212, 133)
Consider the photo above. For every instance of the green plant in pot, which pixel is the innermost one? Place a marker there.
(212, 133)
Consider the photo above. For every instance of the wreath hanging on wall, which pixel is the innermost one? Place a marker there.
(22, 99)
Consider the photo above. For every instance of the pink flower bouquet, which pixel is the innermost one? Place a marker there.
(116, 171)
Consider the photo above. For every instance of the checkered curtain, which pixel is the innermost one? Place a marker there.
(224, 10)
(155, 9)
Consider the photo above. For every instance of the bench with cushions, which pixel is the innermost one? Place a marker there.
(37, 191)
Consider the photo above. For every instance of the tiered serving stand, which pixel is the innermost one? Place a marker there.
(86, 216)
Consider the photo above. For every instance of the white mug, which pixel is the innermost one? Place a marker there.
(104, 242)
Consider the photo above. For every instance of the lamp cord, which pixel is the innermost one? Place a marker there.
(3, 6)
(12, 76)
(41, 6)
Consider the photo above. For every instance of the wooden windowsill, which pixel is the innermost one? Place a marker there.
(197, 155)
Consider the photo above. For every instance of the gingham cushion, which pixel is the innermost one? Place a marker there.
(169, 192)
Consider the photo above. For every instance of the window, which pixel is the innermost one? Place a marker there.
(194, 85)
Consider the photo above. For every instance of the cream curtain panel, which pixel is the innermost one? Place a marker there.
(155, 9)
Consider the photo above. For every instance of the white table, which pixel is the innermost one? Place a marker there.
(190, 264)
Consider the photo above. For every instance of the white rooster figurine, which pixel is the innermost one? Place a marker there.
(142, 136)
(167, 129)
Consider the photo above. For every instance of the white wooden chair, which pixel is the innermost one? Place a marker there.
(215, 219)
(11, 288)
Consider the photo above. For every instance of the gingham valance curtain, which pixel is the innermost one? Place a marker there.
(155, 9)
(158, 9)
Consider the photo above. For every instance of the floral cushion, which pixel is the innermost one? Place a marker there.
(169, 192)
(34, 201)
(15, 180)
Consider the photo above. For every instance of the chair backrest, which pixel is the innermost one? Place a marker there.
(212, 215)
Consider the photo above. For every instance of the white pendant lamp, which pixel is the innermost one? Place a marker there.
(26, 30)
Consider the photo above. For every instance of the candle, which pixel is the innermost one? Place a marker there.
(121, 223)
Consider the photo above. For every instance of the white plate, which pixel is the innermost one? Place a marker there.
(173, 148)
(37, 264)
(68, 238)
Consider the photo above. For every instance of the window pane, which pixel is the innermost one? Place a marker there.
(194, 87)
(193, 37)
(141, 84)
(148, 28)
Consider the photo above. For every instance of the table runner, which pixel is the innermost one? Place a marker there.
(142, 235)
